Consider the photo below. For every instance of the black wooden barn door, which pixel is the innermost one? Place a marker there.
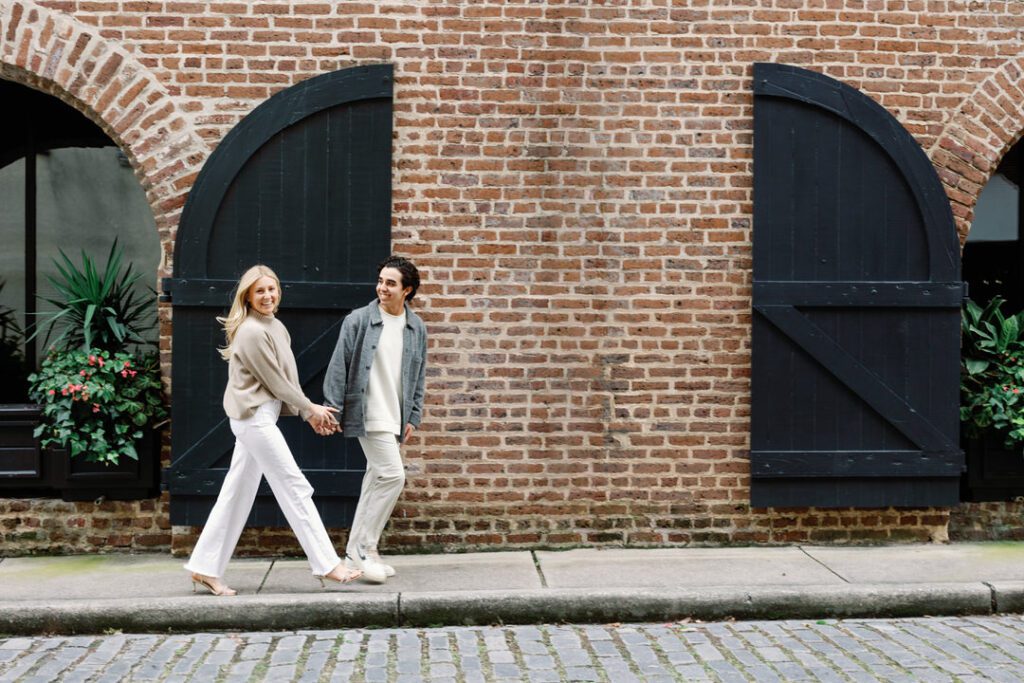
(302, 184)
(857, 294)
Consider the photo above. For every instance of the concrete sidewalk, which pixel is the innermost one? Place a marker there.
(144, 593)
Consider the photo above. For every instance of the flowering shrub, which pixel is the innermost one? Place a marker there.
(97, 402)
(992, 372)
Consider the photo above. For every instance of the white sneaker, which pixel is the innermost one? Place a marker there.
(375, 557)
(372, 572)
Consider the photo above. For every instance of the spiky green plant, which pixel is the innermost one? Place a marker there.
(97, 310)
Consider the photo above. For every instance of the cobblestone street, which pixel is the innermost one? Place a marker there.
(927, 649)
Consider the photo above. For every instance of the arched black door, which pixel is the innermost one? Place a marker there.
(302, 184)
(857, 293)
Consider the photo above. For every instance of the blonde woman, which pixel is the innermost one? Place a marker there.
(263, 384)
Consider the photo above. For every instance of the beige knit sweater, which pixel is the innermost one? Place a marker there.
(262, 368)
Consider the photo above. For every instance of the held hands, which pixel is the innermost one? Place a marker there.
(324, 423)
(322, 420)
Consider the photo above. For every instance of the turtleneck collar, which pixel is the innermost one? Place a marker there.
(259, 316)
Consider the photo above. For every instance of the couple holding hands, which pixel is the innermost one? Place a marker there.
(373, 390)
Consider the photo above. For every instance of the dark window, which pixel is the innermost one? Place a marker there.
(994, 253)
(64, 185)
(993, 265)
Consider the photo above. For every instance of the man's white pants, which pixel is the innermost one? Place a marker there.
(382, 484)
(260, 450)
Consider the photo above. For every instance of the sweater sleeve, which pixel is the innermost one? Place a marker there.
(256, 352)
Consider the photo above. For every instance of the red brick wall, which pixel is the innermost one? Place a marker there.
(37, 525)
(996, 521)
(575, 180)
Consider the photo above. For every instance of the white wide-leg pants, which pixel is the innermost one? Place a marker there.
(260, 450)
(382, 484)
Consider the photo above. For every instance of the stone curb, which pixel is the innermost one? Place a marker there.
(349, 610)
(624, 605)
(1007, 596)
(243, 613)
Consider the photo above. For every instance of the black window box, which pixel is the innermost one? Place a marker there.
(27, 470)
(994, 472)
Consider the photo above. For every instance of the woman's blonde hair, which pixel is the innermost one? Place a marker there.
(240, 303)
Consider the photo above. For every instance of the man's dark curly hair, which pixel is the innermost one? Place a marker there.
(410, 276)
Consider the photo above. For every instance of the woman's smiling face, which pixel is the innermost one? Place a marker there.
(263, 295)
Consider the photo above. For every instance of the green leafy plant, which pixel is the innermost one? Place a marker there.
(98, 310)
(98, 396)
(992, 372)
(96, 403)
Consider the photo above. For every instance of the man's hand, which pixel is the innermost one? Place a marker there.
(408, 432)
(327, 429)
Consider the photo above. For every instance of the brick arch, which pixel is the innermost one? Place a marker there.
(988, 123)
(52, 52)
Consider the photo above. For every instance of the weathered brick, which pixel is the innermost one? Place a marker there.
(575, 181)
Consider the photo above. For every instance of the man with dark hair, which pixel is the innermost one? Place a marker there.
(375, 380)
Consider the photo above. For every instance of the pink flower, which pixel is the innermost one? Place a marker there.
(95, 407)
(124, 373)
(132, 373)
(100, 361)
(82, 373)
(92, 360)
(51, 392)
(127, 363)
(64, 392)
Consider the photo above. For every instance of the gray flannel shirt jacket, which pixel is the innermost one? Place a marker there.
(349, 370)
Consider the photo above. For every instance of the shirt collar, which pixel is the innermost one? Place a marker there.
(377, 319)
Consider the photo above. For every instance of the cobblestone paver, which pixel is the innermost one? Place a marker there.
(927, 649)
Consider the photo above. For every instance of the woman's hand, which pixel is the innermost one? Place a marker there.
(322, 420)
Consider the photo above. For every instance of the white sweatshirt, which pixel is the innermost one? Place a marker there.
(384, 390)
